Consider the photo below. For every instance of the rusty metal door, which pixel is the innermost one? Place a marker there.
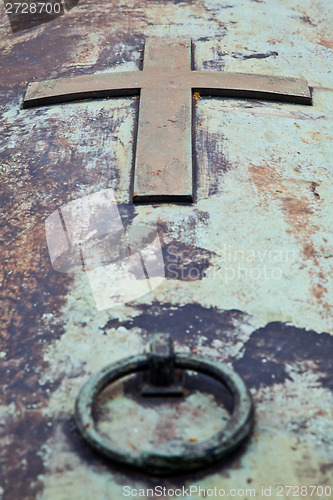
(246, 249)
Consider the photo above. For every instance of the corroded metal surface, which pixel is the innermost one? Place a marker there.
(248, 266)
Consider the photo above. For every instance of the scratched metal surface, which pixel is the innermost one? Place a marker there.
(249, 266)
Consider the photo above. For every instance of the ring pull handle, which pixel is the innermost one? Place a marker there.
(163, 371)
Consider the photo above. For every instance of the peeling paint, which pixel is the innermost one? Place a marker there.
(264, 184)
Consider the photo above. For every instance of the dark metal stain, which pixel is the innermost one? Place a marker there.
(314, 186)
(325, 468)
(115, 54)
(307, 20)
(37, 59)
(185, 262)
(31, 59)
(70, 4)
(238, 55)
(22, 466)
(268, 350)
(209, 174)
(127, 212)
(218, 63)
(187, 324)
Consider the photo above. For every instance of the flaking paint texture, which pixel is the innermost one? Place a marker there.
(263, 184)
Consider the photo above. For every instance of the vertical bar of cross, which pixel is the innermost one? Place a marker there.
(163, 164)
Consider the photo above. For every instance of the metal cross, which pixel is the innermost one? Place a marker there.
(163, 168)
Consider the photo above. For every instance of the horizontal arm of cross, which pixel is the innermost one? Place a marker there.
(82, 87)
(125, 83)
(252, 86)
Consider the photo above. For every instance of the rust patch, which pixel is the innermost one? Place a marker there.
(319, 291)
(297, 212)
(315, 136)
(326, 43)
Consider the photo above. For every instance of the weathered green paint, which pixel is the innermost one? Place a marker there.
(263, 203)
